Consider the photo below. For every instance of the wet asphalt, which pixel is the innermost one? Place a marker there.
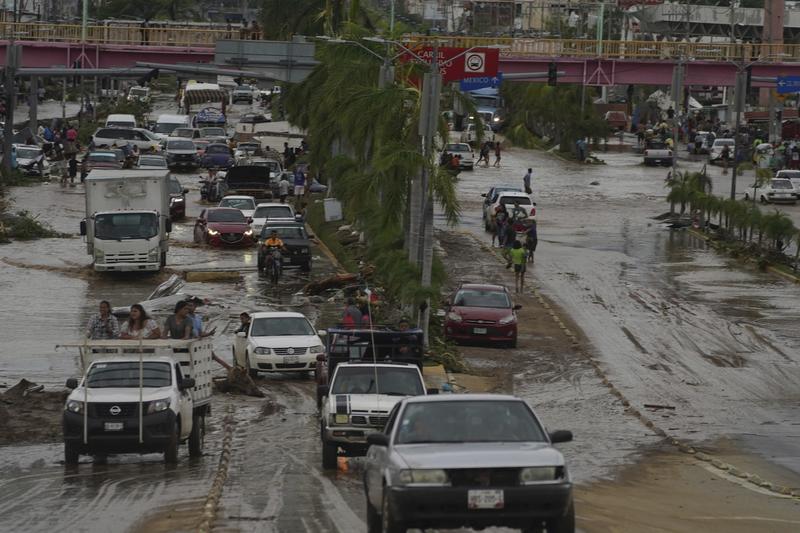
(673, 323)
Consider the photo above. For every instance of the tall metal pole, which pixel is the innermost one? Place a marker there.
(391, 18)
(11, 100)
(84, 20)
(739, 100)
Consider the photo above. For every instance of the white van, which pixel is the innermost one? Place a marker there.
(166, 124)
(121, 121)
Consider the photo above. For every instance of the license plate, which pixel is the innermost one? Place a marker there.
(290, 359)
(485, 499)
(113, 426)
(479, 331)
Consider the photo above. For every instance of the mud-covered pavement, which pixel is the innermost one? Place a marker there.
(669, 322)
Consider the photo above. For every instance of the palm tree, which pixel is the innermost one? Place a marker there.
(281, 19)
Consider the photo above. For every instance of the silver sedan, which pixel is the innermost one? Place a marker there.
(474, 460)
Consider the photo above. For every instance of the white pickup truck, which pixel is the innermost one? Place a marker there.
(138, 397)
(358, 402)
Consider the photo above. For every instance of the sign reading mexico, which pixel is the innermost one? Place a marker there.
(457, 63)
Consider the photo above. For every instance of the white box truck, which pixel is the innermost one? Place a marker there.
(136, 396)
(127, 222)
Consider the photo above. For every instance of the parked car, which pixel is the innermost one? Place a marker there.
(181, 153)
(467, 460)
(278, 342)
(716, 149)
(481, 312)
(121, 120)
(775, 191)
(253, 118)
(105, 159)
(657, 153)
(464, 151)
(491, 197)
(793, 176)
(245, 204)
(296, 240)
(272, 212)
(139, 94)
(185, 133)
(616, 120)
(177, 198)
(368, 392)
(249, 180)
(209, 116)
(507, 198)
(217, 155)
(214, 134)
(247, 149)
(219, 226)
(151, 162)
(243, 93)
(31, 160)
(139, 137)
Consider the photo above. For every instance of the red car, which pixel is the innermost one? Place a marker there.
(220, 226)
(481, 312)
(618, 120)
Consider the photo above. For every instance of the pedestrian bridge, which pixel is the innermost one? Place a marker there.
(591, 62)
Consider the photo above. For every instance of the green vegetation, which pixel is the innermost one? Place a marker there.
(539, 110)
(281, 20)
(23, 226)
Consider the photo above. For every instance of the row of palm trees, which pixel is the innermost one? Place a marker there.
(768, 233)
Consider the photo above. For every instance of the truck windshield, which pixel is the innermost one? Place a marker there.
(126, 374)
(166, 127)
(118, 226)
(391, 381)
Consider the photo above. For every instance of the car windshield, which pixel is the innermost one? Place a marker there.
(165, 127)
(468, 421)
(217, 149)
(391, 381)
(782, 184)
(212, 132)
(248, 147)
(180, 145)
(120, 124)
(175, 186)
(238, 203)
(226, 215)
(295, 232)
(100, 157)
(457, 148)
(656, 145)
(188, 133)
(119, 226)
(126, 374)
(28, 153)
(159, 162)
(482, 298)
(254, 119)
(273, 211)
(789, 174)
(271, 165)
(280, 327)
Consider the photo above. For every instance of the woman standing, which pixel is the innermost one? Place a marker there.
(139, 325)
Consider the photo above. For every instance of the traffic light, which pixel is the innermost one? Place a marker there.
(552, 73)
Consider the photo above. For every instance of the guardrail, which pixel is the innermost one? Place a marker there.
(205, 37)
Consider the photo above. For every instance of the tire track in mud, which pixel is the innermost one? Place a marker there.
(724, 469)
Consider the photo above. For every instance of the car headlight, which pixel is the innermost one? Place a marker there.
(496, 119)
(99, 255)
(262, 351)
(506, 320)
(316, 349)
(455, 317)
(537, 474)
(432, 476)
(74, 406)
(158, 405)
(212, 232)
(341, 419)
(153, 254)
(248, 233)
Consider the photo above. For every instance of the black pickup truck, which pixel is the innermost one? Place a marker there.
(296, 240)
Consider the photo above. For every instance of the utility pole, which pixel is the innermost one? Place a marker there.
(677, 97)
(740, 95)
(12, 62)
(33, 103)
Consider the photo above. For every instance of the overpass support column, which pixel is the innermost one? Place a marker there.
(33, 103)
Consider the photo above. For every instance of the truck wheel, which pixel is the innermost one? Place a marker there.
(373, 518)
(330, 454)
(171, 450)
(251, 372)
(198, 436)
(71, 454)
(563, 524)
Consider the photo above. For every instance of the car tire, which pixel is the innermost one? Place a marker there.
(513, 344)
(563, 524)
(389, 524)
(253, 373)
(330, 455)
(763, 200)
(374, 524)
(746, 197)
(71, 454)
(171, 449)
(198, 436)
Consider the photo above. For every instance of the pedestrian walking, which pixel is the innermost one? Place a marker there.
(526, 180)
(72, 167)
(497, 150)
(103, 325)
(724, 155)
(500, 221)
(283, 188)
(518, 258)
(531, 241)
(299, 183)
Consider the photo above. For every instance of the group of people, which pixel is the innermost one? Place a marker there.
(486, 150)
(61, 140)
(184, 323)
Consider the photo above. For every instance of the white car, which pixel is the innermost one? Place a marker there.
(278, 342)
(245, 204)
(657, 153)
(716, 149)
(469, 135)
(274, 212)
(31, 160)
(139, 94)
(507, 198)
(152, 162)
(139, 137)
(464, 151)
(793, 176)
(776, 191)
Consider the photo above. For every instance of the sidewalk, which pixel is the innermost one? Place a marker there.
(49, 109)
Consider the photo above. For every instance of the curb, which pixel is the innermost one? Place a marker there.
(326, 251)
(727, 468)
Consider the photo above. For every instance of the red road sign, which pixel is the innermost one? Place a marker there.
(456, 65)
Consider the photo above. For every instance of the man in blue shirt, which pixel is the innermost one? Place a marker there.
(197, 320)
(299, 183)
